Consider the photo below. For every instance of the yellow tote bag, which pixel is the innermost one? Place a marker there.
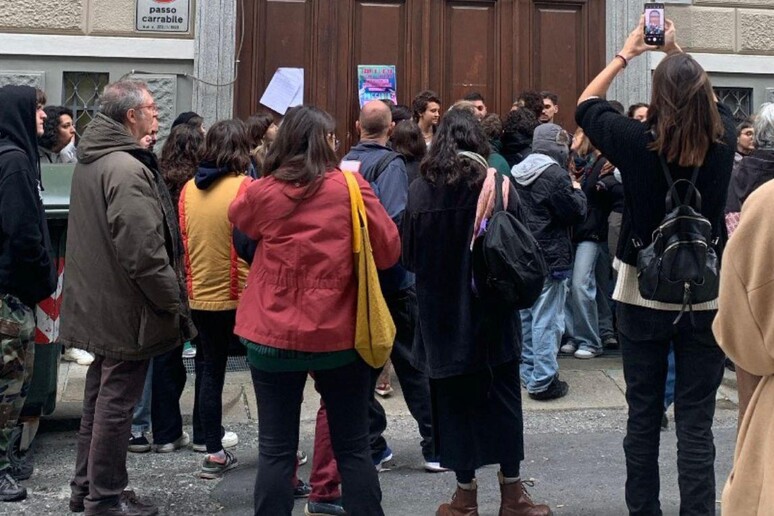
(374, 328)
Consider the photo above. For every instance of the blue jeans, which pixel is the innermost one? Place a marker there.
(583, 323)
(669, 393)
(141, 422)
(543, 326)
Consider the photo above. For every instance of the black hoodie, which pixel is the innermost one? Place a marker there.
(26, 269)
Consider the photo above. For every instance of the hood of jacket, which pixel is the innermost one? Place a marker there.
(18, 105)
(207, 173)
(104, 136)
(527, 172)
(515, 147)
(754, 170)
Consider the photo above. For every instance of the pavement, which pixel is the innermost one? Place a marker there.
(572, 445)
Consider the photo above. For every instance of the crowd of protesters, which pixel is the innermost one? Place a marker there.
(240, 235)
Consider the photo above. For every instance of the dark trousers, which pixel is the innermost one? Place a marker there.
(413, 382)
(645, 339)
(111, 392)
(167, 387)
(345, 393)
(216, 332)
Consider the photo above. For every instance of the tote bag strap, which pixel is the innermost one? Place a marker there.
(359, 219)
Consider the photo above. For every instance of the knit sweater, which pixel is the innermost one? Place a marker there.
(624, 142)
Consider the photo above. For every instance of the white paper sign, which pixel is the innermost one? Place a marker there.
(163, 15)
(286, 90)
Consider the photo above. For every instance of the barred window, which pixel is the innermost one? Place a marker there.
(80, 93)
(738, 100)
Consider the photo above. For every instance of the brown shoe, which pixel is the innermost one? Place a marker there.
(515, 500)
(463, 503)
(129, 505)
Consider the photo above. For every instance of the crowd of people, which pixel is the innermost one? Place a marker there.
(240, 235)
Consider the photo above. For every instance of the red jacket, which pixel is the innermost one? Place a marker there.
(301, 290)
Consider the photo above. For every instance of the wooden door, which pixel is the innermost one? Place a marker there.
(496, 47)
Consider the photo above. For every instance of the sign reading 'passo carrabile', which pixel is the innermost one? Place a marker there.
(163, 15)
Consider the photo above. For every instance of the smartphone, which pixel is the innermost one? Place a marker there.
(654, 24)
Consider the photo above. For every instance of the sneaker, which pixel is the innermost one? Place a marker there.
(138, 443)
(324, 509)
(78, 356)
(76, 502)
(301, 457)
(212, 469)
(610, 342)
(128, 503)
(229, 440)
(10, 490)
(189, 350)
(587, 353)
(556, 389)
(180, 442)
(386, 456)
(302, 490)
(434, 466)
(22, 468)
(567, 348)
(384, 390)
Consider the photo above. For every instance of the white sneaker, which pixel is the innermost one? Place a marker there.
(229, 440)
(78, 356)
(567, 349)
(586, 353)
(180, 442)
(432, 466)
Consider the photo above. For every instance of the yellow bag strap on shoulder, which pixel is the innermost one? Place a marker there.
(358, 211)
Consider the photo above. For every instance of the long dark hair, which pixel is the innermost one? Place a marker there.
(257, 125)
(458, 131)
(180, 157)
(301, 153)
(683, 112)
(227, 146)
(406, 139)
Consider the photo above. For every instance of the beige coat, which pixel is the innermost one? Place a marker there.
(744, 328)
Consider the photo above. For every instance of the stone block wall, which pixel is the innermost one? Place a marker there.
(82, 17)
(725, 26)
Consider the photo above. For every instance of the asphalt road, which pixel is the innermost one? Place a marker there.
(574, 456)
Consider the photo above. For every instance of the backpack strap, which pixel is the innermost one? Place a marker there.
(672, 199)
(374, 172)
(499, 204)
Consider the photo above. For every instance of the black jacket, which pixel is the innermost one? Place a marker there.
(624, 142)
(26, 269)
(456, 334)
(515, 147)
(753, 171)
(552, 207)
(599, 202)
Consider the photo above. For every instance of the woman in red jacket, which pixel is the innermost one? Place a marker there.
(297, 312)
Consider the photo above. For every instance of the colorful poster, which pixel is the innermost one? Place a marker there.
(376, 82)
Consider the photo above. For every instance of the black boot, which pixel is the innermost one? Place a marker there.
(10, 490)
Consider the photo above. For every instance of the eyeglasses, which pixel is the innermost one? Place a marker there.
(153, 107)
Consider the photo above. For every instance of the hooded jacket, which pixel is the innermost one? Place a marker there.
(26, 269)
(215, 275)
(551, 206)
(124, 296)
(752, 171)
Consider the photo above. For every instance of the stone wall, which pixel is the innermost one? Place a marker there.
(90, 17)
(725, 26)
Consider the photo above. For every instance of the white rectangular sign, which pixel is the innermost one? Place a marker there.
(163, 15)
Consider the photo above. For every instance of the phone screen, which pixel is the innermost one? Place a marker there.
(654, 24)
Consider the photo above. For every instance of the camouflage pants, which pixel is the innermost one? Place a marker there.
(17, 349)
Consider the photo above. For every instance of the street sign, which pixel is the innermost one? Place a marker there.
(163, 15)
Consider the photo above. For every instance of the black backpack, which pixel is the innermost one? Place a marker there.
(372, 174)
(680, 266)
(509, 269)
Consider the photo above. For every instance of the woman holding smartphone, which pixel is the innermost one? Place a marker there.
(689, 129)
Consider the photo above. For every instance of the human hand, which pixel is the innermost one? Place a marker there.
(670, 38)
(635, 43)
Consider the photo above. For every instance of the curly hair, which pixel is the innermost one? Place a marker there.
(458, 131)
(521, 121)
(50, 138)
(533, 101)
(492, 126)
(180, 157)
(420, 102)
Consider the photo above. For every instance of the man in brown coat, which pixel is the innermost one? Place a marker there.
(123, 297)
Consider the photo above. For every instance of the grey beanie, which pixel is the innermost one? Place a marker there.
(553, 141)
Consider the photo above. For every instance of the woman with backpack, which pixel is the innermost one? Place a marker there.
(469, 350)
(694, 137)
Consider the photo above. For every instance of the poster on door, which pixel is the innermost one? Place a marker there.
(376, 82)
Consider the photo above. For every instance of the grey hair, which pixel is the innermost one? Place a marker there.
(121, 96)
(764, 126)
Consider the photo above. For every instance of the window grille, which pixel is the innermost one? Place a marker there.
(80, 93)
(738, 100)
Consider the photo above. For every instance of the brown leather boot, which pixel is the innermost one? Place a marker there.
(463, 503)
(515, 501)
